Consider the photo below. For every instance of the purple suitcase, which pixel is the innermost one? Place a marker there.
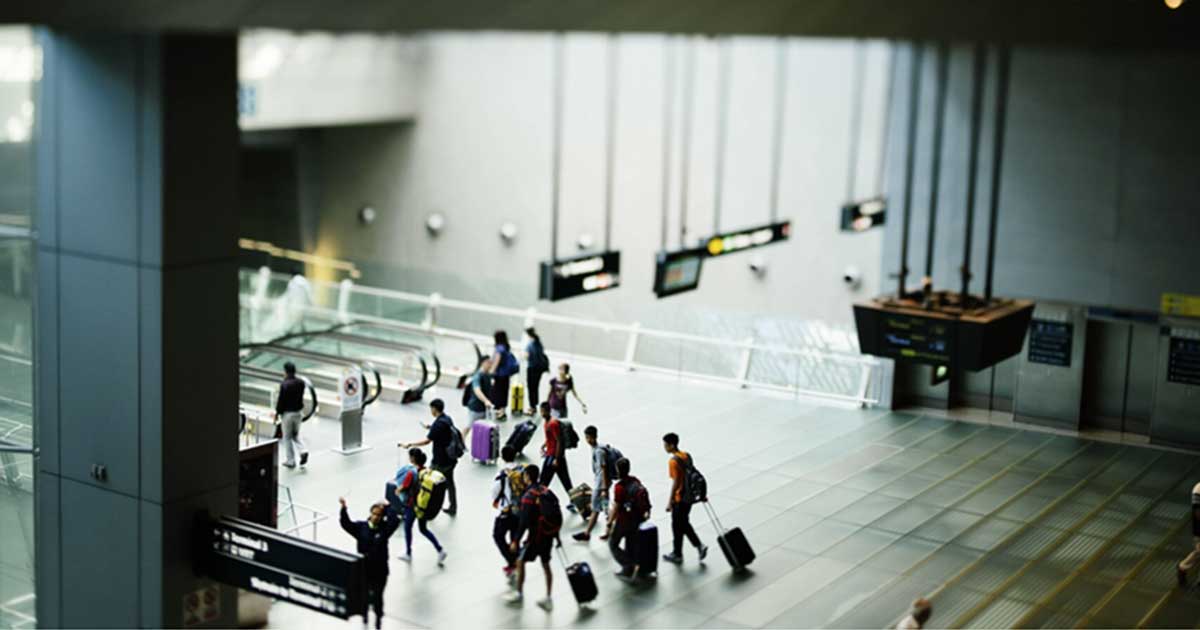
(485, 441)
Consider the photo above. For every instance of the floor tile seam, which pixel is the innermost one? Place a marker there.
(899, 450)
(792, 604)
(840, 436)
(986, 482)
(1127, 578)
(971, 462)
(715, 577)
(1056, 543)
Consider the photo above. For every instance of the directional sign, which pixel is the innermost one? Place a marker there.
(731, 242)
(581, 275)
(260, 559)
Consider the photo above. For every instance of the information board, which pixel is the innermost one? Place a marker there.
(741, 240)
(351, 388)
(919, 338)
(1183, 361)
(260, 559)
(860, 216)
(1050, 342)
(677, 272)
(562, 279)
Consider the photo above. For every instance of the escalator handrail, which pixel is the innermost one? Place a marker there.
(312, 391)
(413, 328)
(337, 334)
(363, 366)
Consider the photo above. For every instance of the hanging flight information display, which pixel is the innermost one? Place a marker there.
(1183, 361)
(741, 240)
(260, 559)
(677, 272)
(581, 275)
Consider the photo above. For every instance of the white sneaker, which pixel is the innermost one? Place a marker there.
(441, 557)
(546, 604)
(514, 597)
(407, 557)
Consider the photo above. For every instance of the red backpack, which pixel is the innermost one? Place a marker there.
(635, 506)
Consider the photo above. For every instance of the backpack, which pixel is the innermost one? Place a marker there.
(431, 493)
(537, 357)
(468, 393)
(508, 364)
(695, 486)
(611, 455)
(567, 434)
(456, 448)
(550, 516)
(635, 509)
(516, 482)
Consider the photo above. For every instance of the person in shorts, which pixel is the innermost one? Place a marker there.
(604, 458)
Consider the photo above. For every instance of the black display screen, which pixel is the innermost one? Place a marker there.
(1183, 361)
(677, 272)
(741, 240)
(581, 275)
(260, 559)
(861, 216)
(918, 338)
(1050, 342)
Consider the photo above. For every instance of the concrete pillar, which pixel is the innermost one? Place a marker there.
(136, 321)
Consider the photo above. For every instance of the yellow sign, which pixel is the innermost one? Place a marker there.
(1181, 304)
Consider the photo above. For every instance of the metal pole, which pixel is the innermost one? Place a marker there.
(668, 121)
(914, 99)
(1003, 60)
(939, 125)
(614, 61)
(780, 116)
(686, 168)
(723, 67)
(858, 78)
(885, 143)
(978, 72)
(556, 149)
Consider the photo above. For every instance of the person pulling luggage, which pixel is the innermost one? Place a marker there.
(289, 412)
(680, 504)
(507, 490)
(1192, 558)
(449, 445)
(541, 519)
(604, 467)
(630, 508)
(372, 537)
(476, 398)
(408, 486)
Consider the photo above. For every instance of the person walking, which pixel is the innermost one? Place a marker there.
(540, 519)
(560, 385)
(289, 408)
(630, 508)
(604, 467)
(372, 537)
(554, 452)
(680, 505)
(408, 484)
(505, 367)
(1192, 558)
(536, 366)
(449, 445)
(507, 490)
(478, 392)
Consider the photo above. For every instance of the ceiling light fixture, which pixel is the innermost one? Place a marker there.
(1173, 4)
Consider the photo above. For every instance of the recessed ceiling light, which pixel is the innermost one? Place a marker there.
(1173, 4)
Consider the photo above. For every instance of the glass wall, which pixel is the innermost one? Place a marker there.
(20, 70)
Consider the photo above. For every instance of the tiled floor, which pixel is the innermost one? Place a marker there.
(853, 513)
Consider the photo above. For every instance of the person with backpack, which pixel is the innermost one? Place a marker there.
(630, 507)
(604, 467)
(408, 487)
(449, 445)
(505, 367)
(536, 366)
(507, 490)
(541, 519)
(681, 469)
(372, 537)
(476, 395)
(558, 434)
(560, 385)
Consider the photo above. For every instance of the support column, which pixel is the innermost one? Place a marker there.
(136, 322)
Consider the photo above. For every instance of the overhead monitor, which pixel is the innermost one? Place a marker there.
(581, 275)
(678, 272)
(741, 240)
(860, 216)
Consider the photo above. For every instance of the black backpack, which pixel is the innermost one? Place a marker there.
(456, 448)
(570, 438)
(537, 357)
(695, 486)
(550, 516)
(611, 455)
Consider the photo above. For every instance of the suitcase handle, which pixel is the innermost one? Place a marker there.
(712, 516)
(562, 553)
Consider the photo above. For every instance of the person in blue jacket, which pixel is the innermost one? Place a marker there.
(372, 536)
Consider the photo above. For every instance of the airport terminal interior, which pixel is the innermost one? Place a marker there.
(892, 303)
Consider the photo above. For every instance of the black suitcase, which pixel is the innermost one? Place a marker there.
(580, 577)
(733, 542)
(521, 436)
(645, 549)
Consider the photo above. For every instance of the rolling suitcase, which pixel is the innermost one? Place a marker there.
(581, 498)
(516, 399)
(733, 542)
(645, 549)
(485, 441)
(521, 436)
(580, 577)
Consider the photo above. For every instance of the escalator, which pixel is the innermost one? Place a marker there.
(262, 367)
(412, 377)
(256, 396)
(460, 356)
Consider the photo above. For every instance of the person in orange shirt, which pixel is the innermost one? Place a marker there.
(680, 505)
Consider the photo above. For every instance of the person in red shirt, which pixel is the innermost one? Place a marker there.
(554, 453)
(630, 507)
